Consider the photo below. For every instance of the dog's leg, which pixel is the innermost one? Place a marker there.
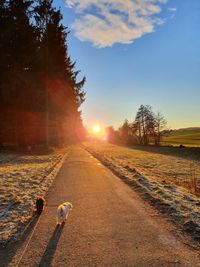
(63, 219)
(66, 216)
(59, 218)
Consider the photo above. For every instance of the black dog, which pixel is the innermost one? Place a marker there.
(40, 203)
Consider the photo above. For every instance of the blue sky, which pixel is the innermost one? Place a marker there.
(136, 52)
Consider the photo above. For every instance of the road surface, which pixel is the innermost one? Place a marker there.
(110, 224)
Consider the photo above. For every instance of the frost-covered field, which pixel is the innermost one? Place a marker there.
(155, 165)
(22, 179)
(152, 174)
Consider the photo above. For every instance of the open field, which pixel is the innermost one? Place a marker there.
(157, 175)
(159, 163)
(187, 139)
(23, 178)
(186, 136)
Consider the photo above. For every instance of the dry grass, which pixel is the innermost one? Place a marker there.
(164, 165)
(22, 179)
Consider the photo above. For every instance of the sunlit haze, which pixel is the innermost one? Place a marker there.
(96, 130)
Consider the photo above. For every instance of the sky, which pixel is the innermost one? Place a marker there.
(135, 52)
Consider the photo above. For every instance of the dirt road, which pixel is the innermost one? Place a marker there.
(109, 226)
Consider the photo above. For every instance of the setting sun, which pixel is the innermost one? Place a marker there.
(97, 131)
(96, 128)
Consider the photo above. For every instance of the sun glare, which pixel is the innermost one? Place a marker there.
(96, 128)
(97, 132)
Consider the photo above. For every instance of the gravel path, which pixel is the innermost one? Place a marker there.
(110, 224)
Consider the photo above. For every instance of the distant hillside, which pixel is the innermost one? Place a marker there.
(185, 136)
(189, 130)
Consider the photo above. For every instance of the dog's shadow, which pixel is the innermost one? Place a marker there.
(51, 247)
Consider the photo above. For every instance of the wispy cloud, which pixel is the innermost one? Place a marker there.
(172, 9)
(106, 22)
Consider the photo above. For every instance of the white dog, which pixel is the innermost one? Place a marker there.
(63, 211)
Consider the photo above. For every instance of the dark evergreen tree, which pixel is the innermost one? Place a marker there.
(17, 41)
(39, 91)
(64, 92)
(124, 131)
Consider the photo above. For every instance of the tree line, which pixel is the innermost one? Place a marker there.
(40, 93)
(147, 128)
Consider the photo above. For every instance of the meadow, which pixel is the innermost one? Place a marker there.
(23, 178)
(187, 137)
(170, 164)
(183, 139)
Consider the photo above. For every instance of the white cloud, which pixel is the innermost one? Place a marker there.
(172, 9)
(105, 22)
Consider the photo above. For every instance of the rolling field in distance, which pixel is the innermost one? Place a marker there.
(187, 137)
